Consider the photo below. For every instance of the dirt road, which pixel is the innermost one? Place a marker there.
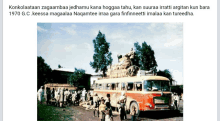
(78, 113)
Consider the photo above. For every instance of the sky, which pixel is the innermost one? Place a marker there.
(71, 44)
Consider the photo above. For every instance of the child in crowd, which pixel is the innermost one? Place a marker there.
(133, 114)
(96, 104)
(101, 110)
(108, 112)
(122, 110)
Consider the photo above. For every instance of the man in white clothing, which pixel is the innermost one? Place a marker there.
(40, 94)
(74, 97)
(122, 97)
(66, 94)
(84, 94)
(56, 96)
(61, 97)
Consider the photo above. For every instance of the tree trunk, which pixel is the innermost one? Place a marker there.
(103, 72)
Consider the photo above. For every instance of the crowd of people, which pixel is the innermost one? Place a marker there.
(101, 107)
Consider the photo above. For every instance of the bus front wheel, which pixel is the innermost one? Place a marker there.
(135, 105)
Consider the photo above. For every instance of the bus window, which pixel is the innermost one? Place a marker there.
(130, 86)
(118, 86)
(104, 86)
(122, 86)
(139, 86)
(100, 86)
(113, 86)
(96, 86)
(165, 85)
(107, 86)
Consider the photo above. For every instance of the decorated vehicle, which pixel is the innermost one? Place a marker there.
(144, 92)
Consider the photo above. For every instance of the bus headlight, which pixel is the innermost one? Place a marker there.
(148, 104)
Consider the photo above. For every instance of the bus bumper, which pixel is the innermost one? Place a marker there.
(158, 107)
(161, 109)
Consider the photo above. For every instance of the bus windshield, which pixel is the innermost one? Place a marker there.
(156, 85)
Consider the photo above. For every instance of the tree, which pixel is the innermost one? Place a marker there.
(76, 77)
(102, 57)
(43, 72)
(166, 73)
(145, 58)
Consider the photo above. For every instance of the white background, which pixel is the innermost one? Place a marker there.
(199, 44)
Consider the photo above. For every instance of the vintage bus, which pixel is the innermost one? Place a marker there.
(146, 93)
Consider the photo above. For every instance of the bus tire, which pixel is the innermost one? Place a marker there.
(134, 104)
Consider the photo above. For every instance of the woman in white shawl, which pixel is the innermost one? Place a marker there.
(40, 94)
(56, 96)
(61, 97)
(66, 94)
(122, 97)
(74, 97)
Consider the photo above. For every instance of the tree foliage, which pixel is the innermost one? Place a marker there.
(102, 57)
(76, 77)
(145, 58)
(166, 73)
(43, 72)
(59, 66)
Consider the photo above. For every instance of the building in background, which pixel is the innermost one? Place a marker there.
(61, 76)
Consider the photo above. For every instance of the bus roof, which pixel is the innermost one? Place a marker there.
(132, 79)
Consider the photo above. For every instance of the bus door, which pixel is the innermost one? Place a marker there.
(130, 92)
(114, 94)
(139, 95)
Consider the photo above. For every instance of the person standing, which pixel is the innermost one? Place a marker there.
(48, 95)
(88, 96)
(90, 100)
(131, 54)
(108, 99)
(78, 98)
(61, 97)
(133, 114)
(74, 97)
(96, 104)
(52, 93)
(56, 96)
(122, 111)
(40, 94)
(108, 112)
(84, 94)
(176, 101)
(66, 94)
(122, 97)
(101, 110)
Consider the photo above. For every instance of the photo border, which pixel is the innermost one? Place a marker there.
(1, 60)
(218, 58)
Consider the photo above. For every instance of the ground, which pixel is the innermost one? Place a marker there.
(78, 113)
